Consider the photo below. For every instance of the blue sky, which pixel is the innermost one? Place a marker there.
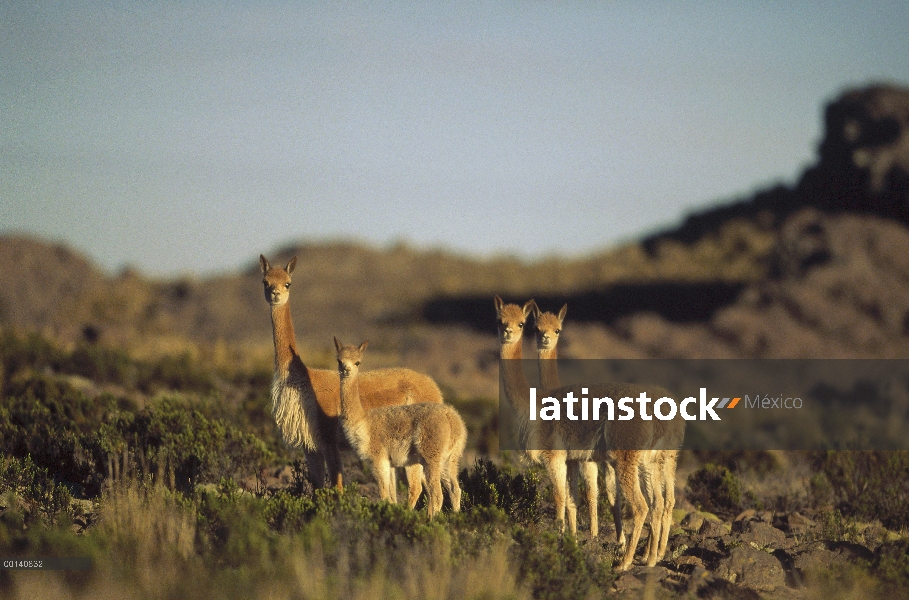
(188, 137)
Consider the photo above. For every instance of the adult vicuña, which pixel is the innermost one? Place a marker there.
(657, 471)
(553, 443)
(431, 435)
(548, 329)
(306, 402)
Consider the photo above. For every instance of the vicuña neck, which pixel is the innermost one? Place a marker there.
(549, 369)
(351, 408)
(513, 380)
(285, 340)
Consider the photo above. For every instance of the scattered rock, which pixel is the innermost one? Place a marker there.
(713, 529)
(692, 522)
(690, 561)
(798, 524)
(753, 569)
(817, 558)
(759, 534)
(746, 515)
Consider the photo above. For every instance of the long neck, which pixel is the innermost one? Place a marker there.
(512, 378)
(285, 341)
(549, 369)
(351, 407)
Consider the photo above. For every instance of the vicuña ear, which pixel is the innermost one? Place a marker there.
(536, 310)
(291, 265)
(527, 306)
(363, 346)
(263, 262)
(338, 344)
(499, 303)
(563, 312)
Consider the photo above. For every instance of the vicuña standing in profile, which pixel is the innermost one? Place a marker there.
(306, 402)
(431, 435)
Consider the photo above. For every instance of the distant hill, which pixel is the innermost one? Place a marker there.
(819, 269)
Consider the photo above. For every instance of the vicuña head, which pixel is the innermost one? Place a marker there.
(276, 280)
(549, 327)
(426, 434)
(511, 320)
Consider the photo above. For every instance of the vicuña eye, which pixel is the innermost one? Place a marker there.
(357, 363)
(558, 331)
(521, 325)
(287, 285)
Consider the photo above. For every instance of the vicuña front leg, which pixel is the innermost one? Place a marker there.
(592, 492)
(558, 477)
(614, 498)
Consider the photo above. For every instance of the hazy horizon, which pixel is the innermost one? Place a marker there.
(180, 138)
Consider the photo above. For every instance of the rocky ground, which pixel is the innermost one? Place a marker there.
(756, 555)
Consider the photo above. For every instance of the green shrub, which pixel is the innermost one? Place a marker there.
(891, 564)
(488, 485)
(714, 488)
(50, 421)
(555, 566)
(865, 484)
(35, 488)
(171, 436)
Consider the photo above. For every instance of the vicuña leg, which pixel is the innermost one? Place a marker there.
(415, 481)
(614, 498)
(630, 484)
(558, 476)
(670, 460)
(382, 472)
(434, 478)
(653, 490)
(592, 494)
(450, 481)
(315, 463)
(571, 499)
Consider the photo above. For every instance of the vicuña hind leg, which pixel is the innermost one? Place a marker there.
(450, 481)
(653, 487)
(630, 484)
(434, 478)
(415, 481)
(669, 465)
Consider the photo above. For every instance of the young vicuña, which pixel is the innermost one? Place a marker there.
(431, 435)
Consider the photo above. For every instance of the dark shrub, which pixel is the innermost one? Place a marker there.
(488, 485)
(715, 489)
(865, 484)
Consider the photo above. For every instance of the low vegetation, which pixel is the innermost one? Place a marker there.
(150, 469)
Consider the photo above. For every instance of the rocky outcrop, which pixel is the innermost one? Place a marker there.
(864, 156)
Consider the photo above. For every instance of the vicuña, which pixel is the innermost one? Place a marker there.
(430, 435)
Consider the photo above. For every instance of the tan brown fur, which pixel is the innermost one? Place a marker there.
(430, 435)
(306, 402)
(567, 441)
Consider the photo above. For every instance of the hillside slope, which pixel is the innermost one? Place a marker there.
(820, 269)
